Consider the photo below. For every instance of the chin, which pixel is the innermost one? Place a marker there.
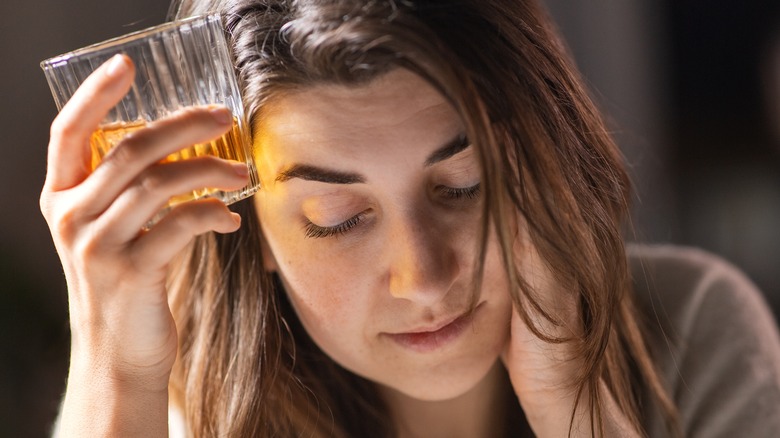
(445, 382)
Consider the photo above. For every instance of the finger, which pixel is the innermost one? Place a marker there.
(156, 185)
(148, 146)
(69, 153)
(157, 247)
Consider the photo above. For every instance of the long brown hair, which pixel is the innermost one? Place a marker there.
(247, 367)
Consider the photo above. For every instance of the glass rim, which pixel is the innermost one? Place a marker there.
(126, 38)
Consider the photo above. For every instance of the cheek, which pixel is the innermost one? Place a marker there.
(326, 303)
(334, 308)
(321, 286)
(317, 286)
(321, 293)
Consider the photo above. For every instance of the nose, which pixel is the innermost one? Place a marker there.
(423, 261)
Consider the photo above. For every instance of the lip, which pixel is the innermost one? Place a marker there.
(429, 339)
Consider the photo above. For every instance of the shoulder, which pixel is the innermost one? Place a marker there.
(692, 291)
(716, 341)
(687, 281)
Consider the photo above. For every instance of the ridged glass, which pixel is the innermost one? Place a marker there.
(179, 64)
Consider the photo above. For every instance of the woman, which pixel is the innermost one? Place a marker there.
(435, 249)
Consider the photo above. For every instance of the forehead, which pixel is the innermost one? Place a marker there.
(398, 107)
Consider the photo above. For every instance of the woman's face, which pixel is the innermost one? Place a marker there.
(371, 205)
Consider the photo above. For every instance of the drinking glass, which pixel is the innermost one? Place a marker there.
(179, 64)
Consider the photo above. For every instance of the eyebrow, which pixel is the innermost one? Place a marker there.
(320, 174)
(453, 147)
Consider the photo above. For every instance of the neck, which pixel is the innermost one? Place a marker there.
(479, 412)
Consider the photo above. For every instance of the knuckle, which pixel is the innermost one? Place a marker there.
(61, 127)
(94, 240)
(44, 203)
(180, 219)
(83, 248)
(89, 247)
(198, 216)
(49, 210)
(151, 181)
(67, 215)
(63, 223)
(126, 151)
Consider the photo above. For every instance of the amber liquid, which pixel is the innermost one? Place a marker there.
(228, 147)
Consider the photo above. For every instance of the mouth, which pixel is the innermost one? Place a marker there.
(430, 339)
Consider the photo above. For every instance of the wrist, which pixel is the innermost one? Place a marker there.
(100, 402)
(549, 413)
(122, 364)
(112, 374)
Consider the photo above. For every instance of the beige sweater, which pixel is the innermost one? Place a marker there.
(720, 348)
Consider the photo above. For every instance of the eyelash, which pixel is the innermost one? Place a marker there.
(315, 231)
(461, 193)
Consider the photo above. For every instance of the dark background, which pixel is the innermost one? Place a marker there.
(692, 88)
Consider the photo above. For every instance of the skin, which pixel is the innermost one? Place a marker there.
(352, 288)
(383, 131)
(123, 336)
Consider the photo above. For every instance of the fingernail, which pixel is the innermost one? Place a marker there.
(222, 116)
(241, 169)
(116, 65)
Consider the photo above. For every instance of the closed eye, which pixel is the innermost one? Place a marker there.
(460, 193)
(313, 230)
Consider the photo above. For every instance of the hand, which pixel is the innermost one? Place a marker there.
(122, 330)
(544, 374)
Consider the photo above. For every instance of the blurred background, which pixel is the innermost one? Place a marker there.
(692, 89)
